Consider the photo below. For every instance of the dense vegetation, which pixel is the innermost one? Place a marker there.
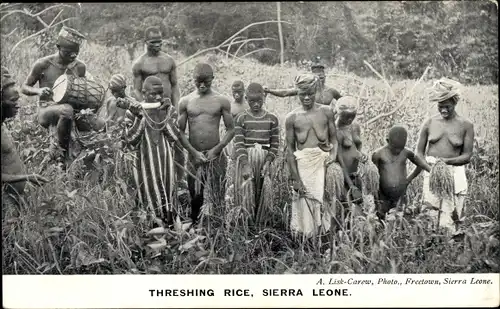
(400, 38)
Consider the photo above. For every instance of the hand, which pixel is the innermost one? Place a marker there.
(266, 89)
(213, 154)
(362, 157)
(45, 92)
(165, 102)
(246, 171)
(135, 108)
(431, 160)
(298, 186)
(330, 160)
(265, 168)
(199, 158)
(355, 193)
(37, 179)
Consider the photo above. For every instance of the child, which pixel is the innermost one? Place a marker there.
(151, 131)
(391, 162)
(109, 111)
(256, 144)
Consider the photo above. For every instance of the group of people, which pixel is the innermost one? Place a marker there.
(320, 133)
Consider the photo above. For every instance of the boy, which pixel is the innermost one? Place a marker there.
(391, 162)
(256, 142)
(109, 111)
(154, 126)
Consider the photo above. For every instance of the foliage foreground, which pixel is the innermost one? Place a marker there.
(82, 222)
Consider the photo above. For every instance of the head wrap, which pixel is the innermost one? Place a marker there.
(117, 81)
(306, 81)
(7, 79)
(152, 82)
(444, 89)
(238, 85)
(255, 88)
(69, 37)
(152, 34)
(203, 70)
(347, 104)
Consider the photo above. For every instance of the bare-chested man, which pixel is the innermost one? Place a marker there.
(45, 72)
(311, 145)
(14, 175)
(324, 94)
(449, 137)
(203, 110)
(155, 62)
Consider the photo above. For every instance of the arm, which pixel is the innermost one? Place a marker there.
(136, 72)
(81, 69)
(283, 92)
(33, 78)
(422, 139)
(347, 178)
(275, 140)
(135, 128)
(332, 133)
(468, 146)
(175, 87)
(9, 178)
(172, 128)
(182, 122)
(227, 117)
(420, 163)
(291, 147)
(335, 93)
(239, 140)
(356, 130)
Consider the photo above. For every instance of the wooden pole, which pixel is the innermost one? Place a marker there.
(280, 33)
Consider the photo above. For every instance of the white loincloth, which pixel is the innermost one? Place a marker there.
(306, 210)
(448, 205)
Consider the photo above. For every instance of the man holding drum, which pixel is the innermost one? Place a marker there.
(45, 71)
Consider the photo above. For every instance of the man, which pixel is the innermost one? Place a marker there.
(203, 110)
(256, 142)
(45, 71)
(13, 170)
(239, 103)
(324, 94)
(449, 137)
(153, 127)
(155, 62)
(311, 142)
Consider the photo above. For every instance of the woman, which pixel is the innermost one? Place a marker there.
(449, 137)
(349, 139)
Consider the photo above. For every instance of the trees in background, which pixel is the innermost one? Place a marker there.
(458, 38)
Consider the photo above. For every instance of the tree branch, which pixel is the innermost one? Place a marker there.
(37, 33)
(257, 50)
(403, 101)
(250, 40)
(380, 76)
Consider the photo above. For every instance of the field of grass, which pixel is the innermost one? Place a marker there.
(81, 221)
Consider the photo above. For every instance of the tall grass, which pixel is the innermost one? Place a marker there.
(83, 220)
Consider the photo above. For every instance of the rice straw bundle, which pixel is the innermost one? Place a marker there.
(441, 182)
(334, 181)
(370, 177)
(266, 200)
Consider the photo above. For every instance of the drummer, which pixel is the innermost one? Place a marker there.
(45, 71)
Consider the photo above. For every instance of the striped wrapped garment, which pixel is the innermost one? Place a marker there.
(151, 137)
(256, 141)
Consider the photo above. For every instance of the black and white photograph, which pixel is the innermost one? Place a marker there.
(255, 138)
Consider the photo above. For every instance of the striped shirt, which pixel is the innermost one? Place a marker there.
(251, 130)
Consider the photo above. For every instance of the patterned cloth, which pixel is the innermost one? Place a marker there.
(347, 104)
(70, 37)
(154, 167)
(117, 81)
(443, 89)
(306, 81)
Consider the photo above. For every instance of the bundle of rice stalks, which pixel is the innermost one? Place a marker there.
(441, 182)
(334, 182)
(266, 200)
(370, 177)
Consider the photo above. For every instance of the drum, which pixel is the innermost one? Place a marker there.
(79, 92)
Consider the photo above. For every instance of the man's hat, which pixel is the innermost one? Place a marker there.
(152, 34)
(68, 36)
(317, 64)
